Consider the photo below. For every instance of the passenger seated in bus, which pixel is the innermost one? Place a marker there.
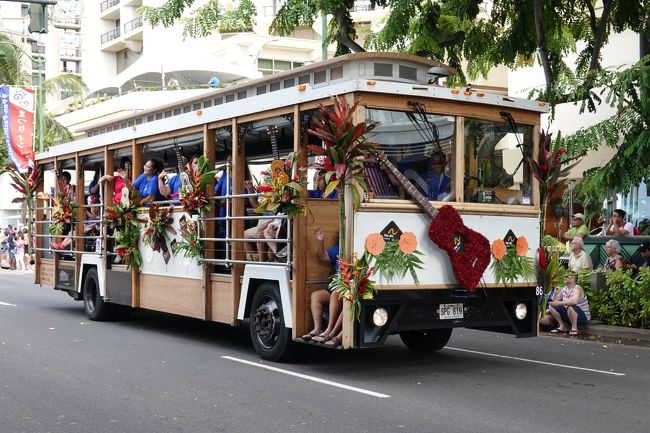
(93, 188)
(91, 227)
(65, 187)
(170, 185)
(147, 183)
(323, 298)
(223, 187)
(256, 232)
(437, 181)
(118, 179)
(320, 185)
(276, 229)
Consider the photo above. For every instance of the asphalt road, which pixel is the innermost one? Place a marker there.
(59, 372)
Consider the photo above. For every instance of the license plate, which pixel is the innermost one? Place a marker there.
(450, 311)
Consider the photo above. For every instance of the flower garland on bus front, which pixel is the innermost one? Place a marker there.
(155, 231)
(190, 245)
(510, 262)
(279, 190)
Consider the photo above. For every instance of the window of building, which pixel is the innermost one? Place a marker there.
(272, 66)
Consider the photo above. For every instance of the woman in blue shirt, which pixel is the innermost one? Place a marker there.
(147, 183)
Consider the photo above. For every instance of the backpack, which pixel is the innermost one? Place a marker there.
(635, 230)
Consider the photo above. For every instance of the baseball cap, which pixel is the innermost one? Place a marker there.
(579, 215)
(645, 246)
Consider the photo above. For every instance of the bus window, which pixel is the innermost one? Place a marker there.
(495, 169)
(421, 146)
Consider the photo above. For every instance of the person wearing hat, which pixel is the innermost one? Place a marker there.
(644, 257)
(578, 228)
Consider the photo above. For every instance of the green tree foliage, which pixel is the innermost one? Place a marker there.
(14, 72)
(203, 20)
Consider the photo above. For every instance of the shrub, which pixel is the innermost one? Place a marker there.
(626, 302)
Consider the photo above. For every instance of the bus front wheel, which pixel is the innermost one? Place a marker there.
(96, 308)
(426, 340)
(271, 339)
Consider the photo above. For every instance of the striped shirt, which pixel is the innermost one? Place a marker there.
(583, 303)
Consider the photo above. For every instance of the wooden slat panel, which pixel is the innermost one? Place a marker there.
(299, 232)
(321, 213)
(222, 301)
(46, 272)
(174, 295)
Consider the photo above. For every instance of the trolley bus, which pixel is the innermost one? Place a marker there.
(482, 138)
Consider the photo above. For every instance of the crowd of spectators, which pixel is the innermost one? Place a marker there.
(13, 249)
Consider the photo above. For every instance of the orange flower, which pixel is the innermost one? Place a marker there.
(408, 242)
(522, 246)
(375, 243)
(498, 249)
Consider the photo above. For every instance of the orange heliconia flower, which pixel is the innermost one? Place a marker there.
(498, 249)
(375, 244)
(408, 242)
(522, 246)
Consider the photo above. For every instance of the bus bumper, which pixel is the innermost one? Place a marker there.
(491, 309)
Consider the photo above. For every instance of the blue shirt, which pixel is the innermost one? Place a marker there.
(437, 187)
(93, 183)
(174, 185)
(332, 253)
(317, 193)
(147, 187)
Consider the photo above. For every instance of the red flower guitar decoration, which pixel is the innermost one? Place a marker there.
(469, 251)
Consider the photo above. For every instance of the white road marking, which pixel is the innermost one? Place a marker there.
(312, 378)
(535, 361)
(7, 305)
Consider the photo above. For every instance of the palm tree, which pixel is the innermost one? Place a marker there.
(13, 72)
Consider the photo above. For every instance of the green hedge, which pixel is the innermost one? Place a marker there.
(626, 302)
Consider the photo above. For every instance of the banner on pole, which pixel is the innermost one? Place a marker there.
(17, 105)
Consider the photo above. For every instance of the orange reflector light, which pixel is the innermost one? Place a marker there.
(302, 87)
(372, 83)
(541, 104)
(480, 94)
(455, 91)
(467, 92)
(199, 112)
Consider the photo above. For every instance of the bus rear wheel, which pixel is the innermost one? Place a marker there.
(426, 340)
(96, 308)
(271, 339)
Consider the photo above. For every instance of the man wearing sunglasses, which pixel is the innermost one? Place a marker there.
(438, 183)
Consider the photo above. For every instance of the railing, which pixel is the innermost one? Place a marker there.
(38, 49)
(74, 21)
(109, 36)
(595, 246)
(107, 4)
(133, 24)
(69, 52)
(92, 243)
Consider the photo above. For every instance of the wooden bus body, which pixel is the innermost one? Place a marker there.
(225, 285)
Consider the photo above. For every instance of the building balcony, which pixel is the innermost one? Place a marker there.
(37, 48)
(67, 22)
(109, 9)
(132, 3)
(133, 29)
(70, 53)
(112, 40)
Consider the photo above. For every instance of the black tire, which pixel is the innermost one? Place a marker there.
(96, 308)
(426, 340)
(272, 341)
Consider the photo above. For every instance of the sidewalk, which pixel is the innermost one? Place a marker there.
(619, 334)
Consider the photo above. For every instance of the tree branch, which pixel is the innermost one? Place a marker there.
(543, 49)
(599, 35)
(343, 19)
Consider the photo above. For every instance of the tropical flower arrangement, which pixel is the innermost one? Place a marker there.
(552, 274)
(121, 218)
(550, 166)
(395, 257)
(62, 213)
(280, 190)
(342, 154)
(190, 246)
(155, 230)
(353, 283)
(511, 262)
(193, 197)
(26, 184)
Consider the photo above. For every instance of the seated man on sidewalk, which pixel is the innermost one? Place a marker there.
(572, 307)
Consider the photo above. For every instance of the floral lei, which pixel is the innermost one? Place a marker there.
(155, 233)
(121, 218)
(510, 262)
(279, 191)
(193, 198)
(62, 213)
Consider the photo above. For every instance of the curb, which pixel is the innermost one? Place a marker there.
(596, 328)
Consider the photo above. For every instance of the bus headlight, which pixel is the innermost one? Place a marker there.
(380, 317)
(521, 311)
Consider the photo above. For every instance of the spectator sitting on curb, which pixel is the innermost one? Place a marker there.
(572, 307)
